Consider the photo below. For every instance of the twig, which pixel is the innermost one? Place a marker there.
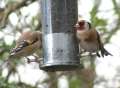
(11, 7)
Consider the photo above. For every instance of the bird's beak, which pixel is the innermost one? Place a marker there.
(76, 25)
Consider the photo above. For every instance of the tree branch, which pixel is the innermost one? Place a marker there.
(11, 7)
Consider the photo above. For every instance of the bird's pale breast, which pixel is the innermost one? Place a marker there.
(88, 40)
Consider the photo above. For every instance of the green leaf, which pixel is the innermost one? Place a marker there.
(75, 82)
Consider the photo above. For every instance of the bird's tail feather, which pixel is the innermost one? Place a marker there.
(104, 52)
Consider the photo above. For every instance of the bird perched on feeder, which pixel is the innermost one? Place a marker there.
(89, 39)
(27, 44)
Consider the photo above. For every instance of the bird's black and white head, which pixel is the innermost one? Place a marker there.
(83, 25)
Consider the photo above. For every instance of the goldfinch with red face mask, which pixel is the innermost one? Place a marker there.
(27, 44)
(89, 39)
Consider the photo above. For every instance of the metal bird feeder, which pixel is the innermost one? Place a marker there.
(60, 48)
